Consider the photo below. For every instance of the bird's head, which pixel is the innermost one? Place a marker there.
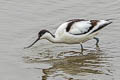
(41, 35)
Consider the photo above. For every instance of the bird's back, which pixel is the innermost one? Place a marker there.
(86, 26)
(80, 28)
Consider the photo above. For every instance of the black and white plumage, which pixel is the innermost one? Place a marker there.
(75, 31)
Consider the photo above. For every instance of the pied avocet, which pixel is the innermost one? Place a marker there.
(75, 31)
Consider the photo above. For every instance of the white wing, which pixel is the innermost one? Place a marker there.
(80, 27)
(84, 27)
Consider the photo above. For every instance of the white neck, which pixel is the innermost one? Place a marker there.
(50, 38)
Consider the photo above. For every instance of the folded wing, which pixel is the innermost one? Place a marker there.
(85, 26)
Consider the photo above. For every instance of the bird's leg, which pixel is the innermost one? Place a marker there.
(97, 39)
(81, 49)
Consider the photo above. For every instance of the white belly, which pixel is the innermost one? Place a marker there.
(76, 40)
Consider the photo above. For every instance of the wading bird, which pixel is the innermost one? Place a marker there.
(75, 31)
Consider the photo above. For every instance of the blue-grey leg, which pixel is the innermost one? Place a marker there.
(97, 41)
(81, 49)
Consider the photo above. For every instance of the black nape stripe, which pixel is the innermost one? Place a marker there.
(52, 34)
(42, 32)
(71, 22)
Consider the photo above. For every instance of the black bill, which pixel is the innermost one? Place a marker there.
(32, 43)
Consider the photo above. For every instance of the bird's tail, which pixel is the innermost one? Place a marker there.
(108, 21)
(111, 19)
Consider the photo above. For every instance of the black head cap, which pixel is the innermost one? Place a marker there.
(42, 32)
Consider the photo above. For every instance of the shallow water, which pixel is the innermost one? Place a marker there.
(21, 20)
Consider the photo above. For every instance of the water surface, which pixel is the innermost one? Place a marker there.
(21, 20)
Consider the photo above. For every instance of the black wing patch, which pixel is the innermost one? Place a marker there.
(100, 27)
(71, 22)
(93, 24)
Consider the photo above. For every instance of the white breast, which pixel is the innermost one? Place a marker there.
(60, 31)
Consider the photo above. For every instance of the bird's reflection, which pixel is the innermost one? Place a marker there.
(69, 64)
(77, 65)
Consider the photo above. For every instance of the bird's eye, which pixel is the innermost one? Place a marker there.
(41, 34)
